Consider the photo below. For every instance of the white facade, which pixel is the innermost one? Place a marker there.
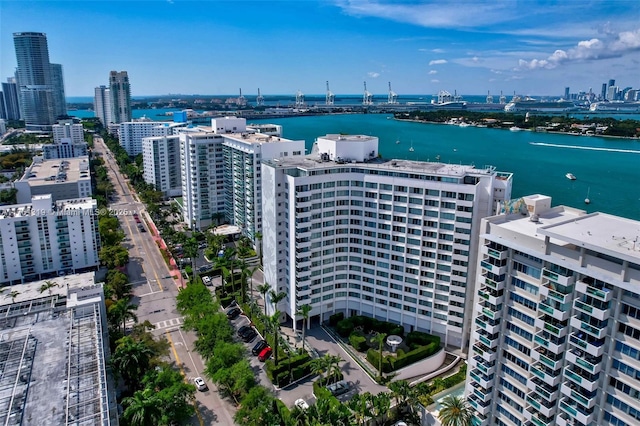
(102, 105)
(68, 141)
(63, 179)
(131, 133)
(161, 163)
(45, 237)
(67, 129)
(556, 340)
(391, 239)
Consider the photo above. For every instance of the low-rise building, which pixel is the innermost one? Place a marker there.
(62, 178)
(68, 141)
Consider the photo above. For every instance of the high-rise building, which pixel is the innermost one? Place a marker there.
(45, 237)
(612, 82)
(603, 93)
(102, 105)
(131, 133)
(161, 163)
(68, 141)
(40, 85)
(346, 231)
(556, 336)
(3, 111)
(10, 92)
(120, 92)
(567, 95)
(221, 172)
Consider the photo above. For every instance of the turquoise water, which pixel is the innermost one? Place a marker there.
(457, 391)
(611, 178)
(154, 114)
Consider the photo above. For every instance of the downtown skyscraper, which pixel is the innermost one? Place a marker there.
(120, 92)
(40, 83)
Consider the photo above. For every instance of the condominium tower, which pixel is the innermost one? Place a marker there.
(221, 172)
(102, 105)
(10, 99)
(346, 231)
(161, 164)
(44, 238)
(120, 93)
(556, 336)
(40, 83)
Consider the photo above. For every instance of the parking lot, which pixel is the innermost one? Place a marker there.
(359, 381)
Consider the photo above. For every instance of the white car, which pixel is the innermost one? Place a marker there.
(200, 384)
(301, 404)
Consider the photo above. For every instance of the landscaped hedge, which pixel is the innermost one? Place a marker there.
(358, 341)
(416, 339)
(288, 369)
(367, 324)
(391, 363)
(335, 318)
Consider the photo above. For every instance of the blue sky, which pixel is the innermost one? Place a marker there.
(532, 47)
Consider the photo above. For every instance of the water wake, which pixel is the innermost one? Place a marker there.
(586, 148)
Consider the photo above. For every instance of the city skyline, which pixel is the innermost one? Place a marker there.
(216, 48)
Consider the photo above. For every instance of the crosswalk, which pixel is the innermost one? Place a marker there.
(173, 322)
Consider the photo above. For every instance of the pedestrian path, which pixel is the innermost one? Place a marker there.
(174, 322)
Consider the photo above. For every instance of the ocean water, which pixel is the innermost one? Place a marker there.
(608, 169)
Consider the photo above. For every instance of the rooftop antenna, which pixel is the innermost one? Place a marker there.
(259, 99)
(393, 96)
(330, 96)
(367, 98)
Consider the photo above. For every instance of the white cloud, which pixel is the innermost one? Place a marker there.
(438, 62)
(435, 81)
(373, 74)
(437, 50)
(588, 50)
(431, 72)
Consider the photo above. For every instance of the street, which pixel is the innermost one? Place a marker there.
(155, 291)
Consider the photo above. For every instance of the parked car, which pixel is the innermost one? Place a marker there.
(200, 384)
(233, 313)
(338, 388)
(265, 354)
(301, 404)
(259, 347)
(206, 280)
(249, 335)
(243, 329)
(141, 228)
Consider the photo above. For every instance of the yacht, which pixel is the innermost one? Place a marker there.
(570, 176)
(515, 128)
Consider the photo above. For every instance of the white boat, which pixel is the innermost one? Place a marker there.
(587, 200)
(411, 149)
(570, 176)
(463, 124)
(515, 128)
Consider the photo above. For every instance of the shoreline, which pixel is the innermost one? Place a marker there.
(634, 138)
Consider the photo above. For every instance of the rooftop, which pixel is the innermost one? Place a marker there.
(52, 355)
(49, 172)
(61, 207)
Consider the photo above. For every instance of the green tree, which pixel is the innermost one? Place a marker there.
(264, 289)
(455, 411)
(118, 284)
(379, 339)
(109, 230)
(380, 405)
(360, 404)
(175, 396)
(114, 256)
(120, 312)
(276, 298)
(334, 372)
(304, 313)
(321, 366)
(273, 324)
(256, 409)
(190, 249)
(236, 380)
(48, 285)
(131, 360)
(142, 409)
(224, 355)
(403, 395)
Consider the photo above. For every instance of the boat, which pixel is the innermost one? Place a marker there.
(411, 149)
(464, 124)
(570, 176)
(515, 128)
(398, 142)
(587, 200)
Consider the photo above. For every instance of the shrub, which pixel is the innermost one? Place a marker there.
(415, 355)
(373, 356)
(335, 318)
(344, 327)
(358, 341)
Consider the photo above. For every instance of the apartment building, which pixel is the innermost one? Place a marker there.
(68, 141)
(45, 237)
(131, 133)
(161, 164)
(62, 178)
(556, 336)
(221, 172)
(346, 231)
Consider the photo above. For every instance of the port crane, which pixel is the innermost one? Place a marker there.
(367, 98)
(330, 98)
(393, 96)
(259, 99)
(299, 99)
(489, 97)
(241, 99)
(503, 98)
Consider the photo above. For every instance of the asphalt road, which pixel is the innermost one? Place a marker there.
(155, 292)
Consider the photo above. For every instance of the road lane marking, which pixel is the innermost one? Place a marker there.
(175, 354)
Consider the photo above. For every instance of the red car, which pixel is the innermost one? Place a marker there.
(265, 354)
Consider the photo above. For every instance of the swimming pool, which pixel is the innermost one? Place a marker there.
(457, 390)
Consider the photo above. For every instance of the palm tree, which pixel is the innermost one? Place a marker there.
(379, 339)
(131, 360)
(333, 367)
(276, 298)
(403, 394)
(122, 311)
(304, 312)
(380, 405)
(274, 325)
(48, 285)
(13, 294)
(190, 249)
(264, 289)
(360, 404)
(455, 411)
(143, 408)
(319, 366)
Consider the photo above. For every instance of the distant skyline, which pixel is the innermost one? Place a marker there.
(532, 47)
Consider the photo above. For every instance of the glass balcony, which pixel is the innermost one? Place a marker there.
(481, 393)
(484, 352)
(487, 324)
(550, 393)
(492, 296)
(550, 359)
(587, 343)
(592, 364)
(483, 380)
(594, 288)
(481, 407)
(560, 278)
(546, 374)
(574, 410)
(549, 341)
(594, 327)
(600, 313)
(585, 398)
(552, 325)
(494, 268)
(543, 406)
(538, 419)
(496, 253)
(555, 309)
(582, 378)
